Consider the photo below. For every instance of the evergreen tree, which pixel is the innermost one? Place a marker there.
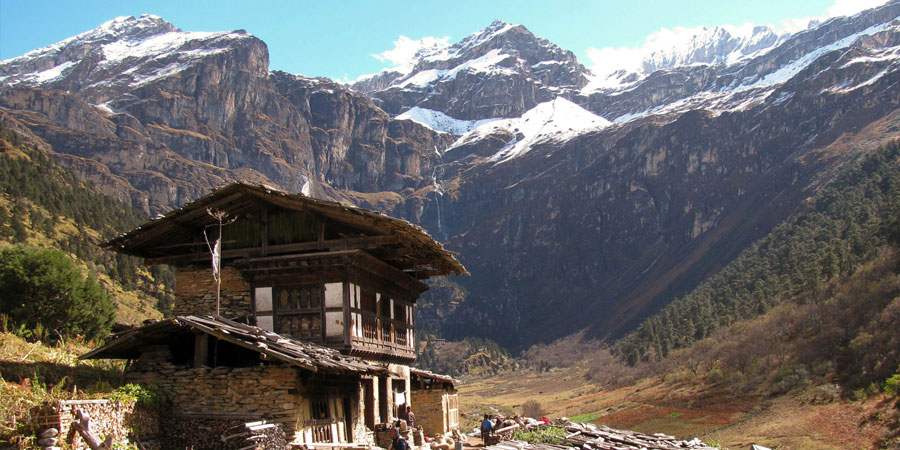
(44, 289)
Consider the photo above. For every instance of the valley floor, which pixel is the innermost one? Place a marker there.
(801, 419)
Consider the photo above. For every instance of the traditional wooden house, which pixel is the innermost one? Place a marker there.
(314, 324)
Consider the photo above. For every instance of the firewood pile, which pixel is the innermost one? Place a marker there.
(255, 436)
(593, 437)
(505, 427)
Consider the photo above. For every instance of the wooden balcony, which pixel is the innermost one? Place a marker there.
(380, 335)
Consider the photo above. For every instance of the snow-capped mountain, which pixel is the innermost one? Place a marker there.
(160, 115)
(718, 70)
(554, 121)
(574, 202)
(500, 71)
(503, 71)
(119, 55)
(672, 49)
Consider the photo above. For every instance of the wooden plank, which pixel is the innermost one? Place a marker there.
(201, 349)
(348, 319)
(264, 238)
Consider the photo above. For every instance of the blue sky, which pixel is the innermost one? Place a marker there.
(339, 38)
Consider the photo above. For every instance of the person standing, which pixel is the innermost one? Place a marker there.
(486, 427)
(410, 417)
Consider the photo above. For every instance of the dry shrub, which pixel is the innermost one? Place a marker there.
(533, 409)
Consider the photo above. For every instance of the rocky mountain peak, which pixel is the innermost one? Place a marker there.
(500, 71)
(123, 53)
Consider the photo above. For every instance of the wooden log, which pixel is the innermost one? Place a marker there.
(505, 429)
(83, 427)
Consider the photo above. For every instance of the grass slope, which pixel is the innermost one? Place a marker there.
(31, 373)
(43, 204)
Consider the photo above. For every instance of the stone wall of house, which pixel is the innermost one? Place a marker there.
(270, 392)
(106, 418)
(433, 410)
(195, 292)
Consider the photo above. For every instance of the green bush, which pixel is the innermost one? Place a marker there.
(45, 296)
(788, 378)
(550, 435)
(583, 418)
(892, 385)
(142, 396)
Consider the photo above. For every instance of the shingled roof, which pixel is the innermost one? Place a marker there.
(422, 373)
(309, 356)
(399, 243)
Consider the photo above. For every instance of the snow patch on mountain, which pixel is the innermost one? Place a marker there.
(617, 68)
(788, 71)
(556, 120)
(52, 73)
(159, 45)
(490, 63)
(131, 49)
(439, 121)
(107, 31)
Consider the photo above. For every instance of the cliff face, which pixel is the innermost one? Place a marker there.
(202, 108)
(566, 220)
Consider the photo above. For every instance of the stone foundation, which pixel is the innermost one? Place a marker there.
(270, 392)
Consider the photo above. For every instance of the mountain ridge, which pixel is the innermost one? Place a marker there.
(565, 224)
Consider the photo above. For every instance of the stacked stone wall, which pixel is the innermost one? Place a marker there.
(268, 392)
(195, 292)
(429, 406)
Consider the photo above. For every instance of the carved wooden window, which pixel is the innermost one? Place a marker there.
(298, 311)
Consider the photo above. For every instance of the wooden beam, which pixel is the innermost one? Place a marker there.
(264, 238)
(201, 349)
(360, 243)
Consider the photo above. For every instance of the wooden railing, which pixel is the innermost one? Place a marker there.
(322, 433)
(370, 327)
(321, 429)
(378, 330)
(400, 336)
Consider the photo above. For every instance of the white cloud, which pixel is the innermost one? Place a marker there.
(405, 50)
(851, 7)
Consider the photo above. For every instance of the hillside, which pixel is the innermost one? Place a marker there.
(808, 374)
(805, 261)
(44, 205)
(792, 345)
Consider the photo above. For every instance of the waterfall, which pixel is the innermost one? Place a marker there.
(438, 196)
